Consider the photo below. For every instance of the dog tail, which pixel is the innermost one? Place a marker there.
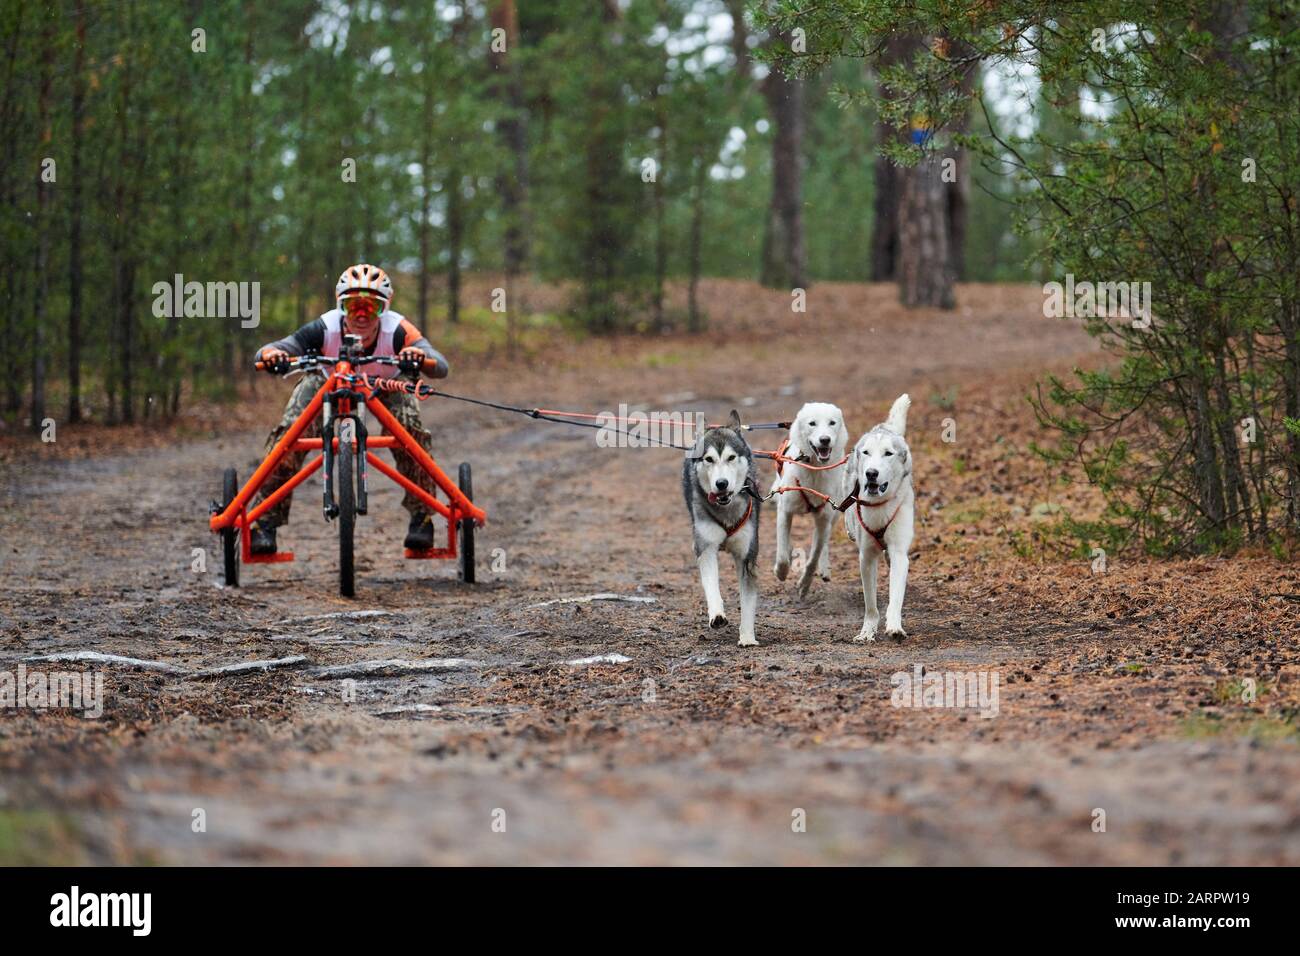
(897, 421)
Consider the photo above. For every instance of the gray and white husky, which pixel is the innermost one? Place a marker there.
(720, 485)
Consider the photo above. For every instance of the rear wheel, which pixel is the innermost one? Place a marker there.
(230, 536)
(345, 482)
(465, 528)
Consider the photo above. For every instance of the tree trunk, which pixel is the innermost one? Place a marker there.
(602, 240)
(1206, 465)
(74, 227)
(958, 198)
(740, 42)
(920, 221)
(128, 194)
(888, 177)
(884, 231)
(248, 223)
(1289, 324)
(10, 117)
(424, 228)
(43, 229)
(455, 243)
(513, 183)
(924, 263)
(959, 186)
(229, 338)
(307, 230)
(784, 260)
(127, 289)
(695, 320)
(456, 216)
(661, 230)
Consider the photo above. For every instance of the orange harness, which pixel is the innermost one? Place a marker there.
(779, 459)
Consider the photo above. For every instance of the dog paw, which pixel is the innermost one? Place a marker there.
(719, 620)
(781, 570)
(826, 576)
(897, 633)
(805, 584)
(868, 632)
(749, 641)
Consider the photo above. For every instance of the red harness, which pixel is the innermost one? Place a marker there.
(779, 463)
(741, 523)
(878, 535)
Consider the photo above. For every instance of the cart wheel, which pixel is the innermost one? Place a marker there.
(347, 501)
(230, 536)
(465, 545)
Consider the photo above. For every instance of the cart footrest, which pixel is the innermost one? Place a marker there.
(429, 553)
(268, 558)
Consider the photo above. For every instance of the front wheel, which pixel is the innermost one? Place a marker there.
(465, 528)
(230, 536)
(345, 482)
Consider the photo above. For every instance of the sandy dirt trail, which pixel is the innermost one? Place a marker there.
(690, 751)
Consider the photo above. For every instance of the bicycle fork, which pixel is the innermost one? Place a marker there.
(332, 423)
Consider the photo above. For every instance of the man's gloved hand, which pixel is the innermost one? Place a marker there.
(275, 361)
(411, 359)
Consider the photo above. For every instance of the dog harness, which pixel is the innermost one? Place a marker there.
(780, 452)
(814, 508)
(879, 536)
(739, 524)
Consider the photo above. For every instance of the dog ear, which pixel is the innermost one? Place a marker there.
(734, 421)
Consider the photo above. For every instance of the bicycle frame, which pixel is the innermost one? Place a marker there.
(339, 401)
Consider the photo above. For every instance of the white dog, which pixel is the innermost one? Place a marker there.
(880, 519)
(818, 437)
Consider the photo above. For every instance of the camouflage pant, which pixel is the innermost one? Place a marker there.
(405, 409)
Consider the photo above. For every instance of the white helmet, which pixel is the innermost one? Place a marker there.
(364, 278)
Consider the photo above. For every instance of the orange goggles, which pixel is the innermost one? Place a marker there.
(362, 305)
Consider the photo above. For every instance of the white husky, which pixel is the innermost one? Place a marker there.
(818, 437)
(880, 518)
